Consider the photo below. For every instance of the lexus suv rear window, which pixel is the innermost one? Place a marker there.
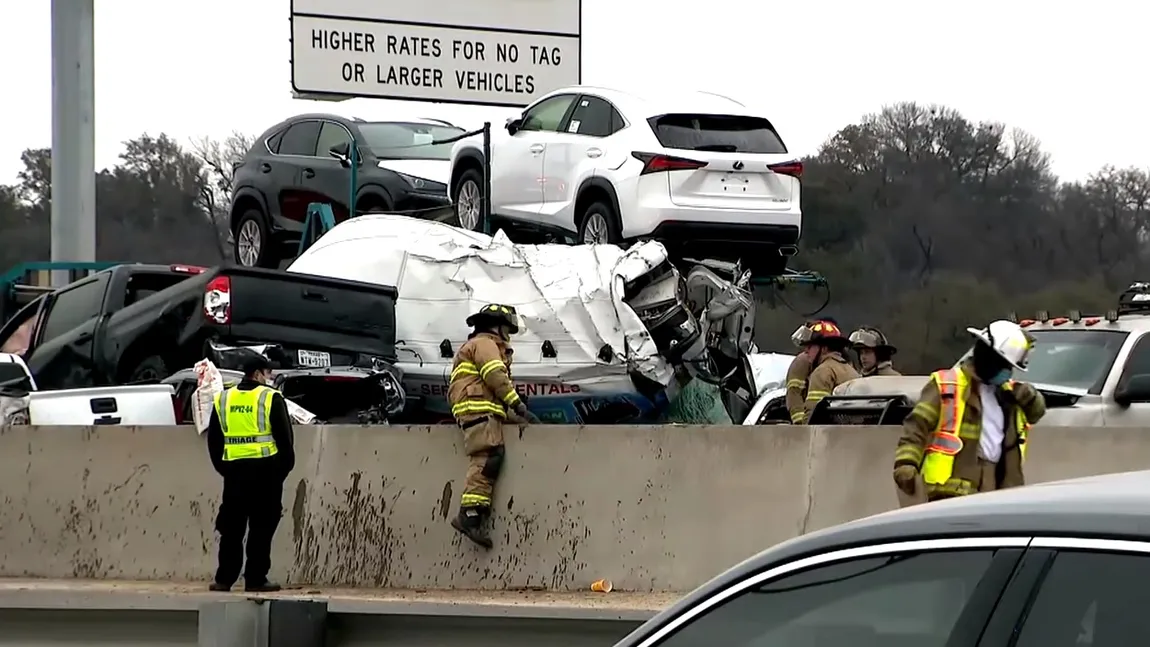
(718, 133)
(409, 141)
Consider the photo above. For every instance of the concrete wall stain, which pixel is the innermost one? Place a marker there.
(359, 546)
(298, 508)
(445, 502)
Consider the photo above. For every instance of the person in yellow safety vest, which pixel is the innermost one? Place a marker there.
(969, 430)
(831, 367)
(799, 372)
(482, 397)
(874, 352)
(251, 444)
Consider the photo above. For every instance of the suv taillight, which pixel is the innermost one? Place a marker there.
(654, 163)
(218, 300)
(793, 169)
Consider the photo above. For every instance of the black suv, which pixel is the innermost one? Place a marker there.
(305, 159)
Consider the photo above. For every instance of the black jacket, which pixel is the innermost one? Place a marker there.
(284, 460)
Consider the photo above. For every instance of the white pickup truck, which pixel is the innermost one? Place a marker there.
(22, 404)
(1093, 371)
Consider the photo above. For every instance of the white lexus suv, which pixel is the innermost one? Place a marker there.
(698, 171)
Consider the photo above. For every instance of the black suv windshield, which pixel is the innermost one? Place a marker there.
(408, 141)
(1079, 359)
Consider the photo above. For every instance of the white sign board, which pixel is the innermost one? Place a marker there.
(486, 52)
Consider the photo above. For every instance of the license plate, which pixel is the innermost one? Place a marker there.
(314, 358)
(733, 182)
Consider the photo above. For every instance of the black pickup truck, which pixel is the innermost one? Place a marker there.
(140, 323)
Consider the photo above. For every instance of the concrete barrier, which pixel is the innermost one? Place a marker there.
(651, 508)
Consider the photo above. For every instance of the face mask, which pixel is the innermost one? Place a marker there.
(1000, 378)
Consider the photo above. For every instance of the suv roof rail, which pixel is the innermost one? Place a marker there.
(439, 121)
(722, 96)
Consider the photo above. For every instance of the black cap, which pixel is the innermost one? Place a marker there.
(255, 362)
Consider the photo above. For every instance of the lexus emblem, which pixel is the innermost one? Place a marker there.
(739, 166)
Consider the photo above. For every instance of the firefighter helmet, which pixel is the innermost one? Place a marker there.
(495, 314)
(1008, 339)
(827, 333)
(868, 337)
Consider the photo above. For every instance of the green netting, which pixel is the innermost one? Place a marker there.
(698, 403)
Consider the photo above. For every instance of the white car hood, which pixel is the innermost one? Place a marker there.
(434, 170)
(769, 370)
(570, 296)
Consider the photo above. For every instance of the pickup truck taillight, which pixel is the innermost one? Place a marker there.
(218, 300)
(187, 269)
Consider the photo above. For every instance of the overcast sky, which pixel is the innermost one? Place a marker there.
(1070, 73)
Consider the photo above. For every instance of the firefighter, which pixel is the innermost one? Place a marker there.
(874, 352)
(251, 444)
(968, 431)
(831, 367)
(482, 398)
(798, 373)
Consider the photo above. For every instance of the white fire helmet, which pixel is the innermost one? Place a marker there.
(1008, 339)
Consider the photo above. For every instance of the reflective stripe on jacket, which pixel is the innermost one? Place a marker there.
(480, 381)
(245, 420)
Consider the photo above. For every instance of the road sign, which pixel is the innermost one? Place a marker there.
(485, 52)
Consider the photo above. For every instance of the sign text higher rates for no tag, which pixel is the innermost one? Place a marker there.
(488, 52)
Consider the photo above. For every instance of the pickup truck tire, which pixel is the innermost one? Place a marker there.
(599, 224)
(253, 246)
(149, 369)
(469, 200)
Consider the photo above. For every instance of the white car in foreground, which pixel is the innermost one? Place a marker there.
(702, 173)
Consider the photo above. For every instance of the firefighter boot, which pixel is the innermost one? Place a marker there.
(471, 523)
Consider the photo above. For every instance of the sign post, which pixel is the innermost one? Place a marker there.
(481, 52)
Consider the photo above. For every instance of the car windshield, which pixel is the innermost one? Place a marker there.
(409, 141)
(1079, 359)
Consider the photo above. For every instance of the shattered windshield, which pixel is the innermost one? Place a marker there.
(1079, 359)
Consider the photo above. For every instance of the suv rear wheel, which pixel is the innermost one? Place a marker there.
(599, 225)
(469, 200)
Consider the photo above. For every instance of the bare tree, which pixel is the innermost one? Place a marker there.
(220, 159)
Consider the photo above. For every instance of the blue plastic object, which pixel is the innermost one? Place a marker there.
(320, 219)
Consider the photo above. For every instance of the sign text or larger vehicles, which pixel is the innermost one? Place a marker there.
(488, 52)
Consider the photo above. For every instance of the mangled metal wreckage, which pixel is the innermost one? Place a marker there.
(610, 335)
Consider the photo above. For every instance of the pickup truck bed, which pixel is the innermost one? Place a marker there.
(21, 403)
(99, 332)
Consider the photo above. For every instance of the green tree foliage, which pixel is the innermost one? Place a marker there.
(926, 223)
(159, 204)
